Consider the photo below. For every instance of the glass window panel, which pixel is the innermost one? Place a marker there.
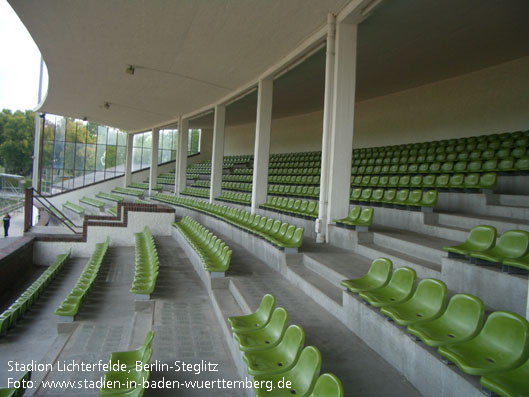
(49, 130)
(69, 155)
(99, 176)
(78, 179)
(81, 132)
(71, 130)
(102, 134)
(122, 138)
(80, 156)
(60, 126)
(110, 174)
(89, 177)
(90, 157)
(47, 154)
(147, 139)
(146, 158)
(138, 140)
(92, 133)
(112, 136)
(121, 155)
(58, 155)
(110, 158)
(166, 156)
(100, 157)
(173, 154)
(67, 180)
(136, 158)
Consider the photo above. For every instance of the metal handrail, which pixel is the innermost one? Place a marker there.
(39, 198)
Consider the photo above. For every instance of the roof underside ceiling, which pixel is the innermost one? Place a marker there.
(190, 54)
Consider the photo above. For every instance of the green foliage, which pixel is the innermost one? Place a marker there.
(194, 138)
(16, 141)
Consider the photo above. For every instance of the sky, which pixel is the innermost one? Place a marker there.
(19, 64)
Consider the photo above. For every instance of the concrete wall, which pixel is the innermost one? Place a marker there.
(487, 101)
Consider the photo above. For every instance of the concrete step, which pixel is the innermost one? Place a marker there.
(468, 221)
(424, 269)
(513, 200)
(414, 244)
(446, 232)
(335, 267)
(508, 211)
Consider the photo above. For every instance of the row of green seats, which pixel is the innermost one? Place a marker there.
(294, 171)
(100, 205)
(295, 180)
(234, 197)
(297, 191)
(275, 232)
(301, 156)
(196, 191)
(511, 250)
(127, 191)
(274, 352)
(457, 329)
(58, 214)
(147, 264)
(167, 175)
(202, 183)
(506, 165)
(518, 138)
(18, 391)
(213, 252)
(358, 217)
(410, 199)
(295, 164)
(144, 186)
(74, 207)
(129, 380)
(165, 181)
(301, 208)
(430, 181)
(111, 197)
(243, 171)
(246, 187)
(236, 178)
(441, 157)
(72, 303)
(24, 302)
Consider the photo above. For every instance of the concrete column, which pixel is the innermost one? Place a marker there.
(341, 147)
(218, 152)
(321, 222)
(153, 173)
(35, 182)
(262, 143)
(181, 157)
(128, 161)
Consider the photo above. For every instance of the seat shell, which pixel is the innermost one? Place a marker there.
(377, 277)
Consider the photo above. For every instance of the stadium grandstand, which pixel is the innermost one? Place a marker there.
(274, 198)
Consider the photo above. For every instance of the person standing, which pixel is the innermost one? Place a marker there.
(7, 220)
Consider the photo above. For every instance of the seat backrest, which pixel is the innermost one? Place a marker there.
(380, 269)
(402, 195)
(278, 322)
(415, 196)
(483, 236)
(306, 370)
(431, 293)
(471, 180)
(327, 385)
(292, 343)
(514, 243)
(466, 311)
(509, 332)
(355, 213)
(367, 215)
(265, 308)
(404, 279)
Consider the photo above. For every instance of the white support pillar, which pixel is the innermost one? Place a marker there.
(181, 157)
(35, 182)
(342, 121)
(321, 222)
(153, 174)
(217, 152)
(128, 161)
(262, 143)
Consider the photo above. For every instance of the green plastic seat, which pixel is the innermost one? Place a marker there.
(327, 385)
(14, 391)
(366, 217)
(302, 376)
(457, 181)
(399, 289)
(480, 238)
(378, 276)
(427, 303)
(377, 196)
(501, 345)
(356, 194)
(279, 358)
(266, 337)
(414, 198)
(389, 196)
(522, 164)
(429, 198)
(512, 244)
(520, 263)
(257, 319)
(461, 322)
(402, 197)
(352, 217)
(129, 358)
(471, 181)
(513, 383)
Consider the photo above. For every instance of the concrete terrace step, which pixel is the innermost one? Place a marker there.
(513, 200)
(415, 244)
(424, 268)
(336, 267)
(468, 221)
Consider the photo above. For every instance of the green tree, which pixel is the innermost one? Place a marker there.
(16, 141)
